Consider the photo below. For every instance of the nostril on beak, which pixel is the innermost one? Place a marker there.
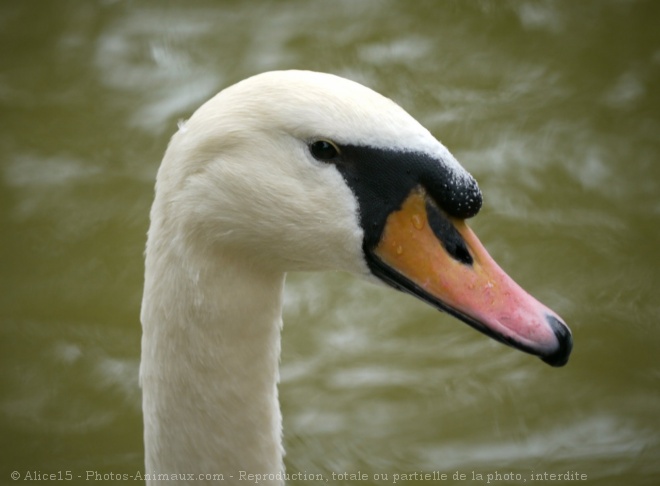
(564, 342)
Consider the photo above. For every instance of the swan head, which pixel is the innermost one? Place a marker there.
(296, 170)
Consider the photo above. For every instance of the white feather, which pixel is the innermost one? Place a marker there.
(240, 201)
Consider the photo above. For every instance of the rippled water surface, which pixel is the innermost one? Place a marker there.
(552, 105)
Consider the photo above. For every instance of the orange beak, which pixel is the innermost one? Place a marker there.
(440, 260)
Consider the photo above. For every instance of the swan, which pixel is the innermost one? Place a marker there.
(304, 171)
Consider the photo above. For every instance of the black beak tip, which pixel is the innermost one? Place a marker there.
(565, 343)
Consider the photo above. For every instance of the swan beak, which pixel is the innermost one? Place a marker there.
(439, 259)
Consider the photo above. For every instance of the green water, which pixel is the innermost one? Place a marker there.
(553, 106)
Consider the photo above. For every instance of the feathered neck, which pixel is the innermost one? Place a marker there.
(210, 355)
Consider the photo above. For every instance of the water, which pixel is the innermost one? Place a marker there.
(553, 106)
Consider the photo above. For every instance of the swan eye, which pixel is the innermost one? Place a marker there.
(324, 150)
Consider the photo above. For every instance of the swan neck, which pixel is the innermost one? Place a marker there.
(209, 370)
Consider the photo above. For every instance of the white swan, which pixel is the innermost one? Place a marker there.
(284, 171)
